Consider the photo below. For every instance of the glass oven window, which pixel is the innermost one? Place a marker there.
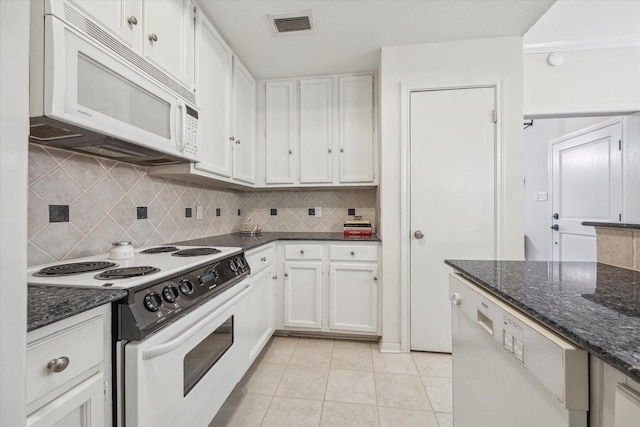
(202, 357)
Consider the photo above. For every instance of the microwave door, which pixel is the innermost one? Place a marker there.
(89, 88)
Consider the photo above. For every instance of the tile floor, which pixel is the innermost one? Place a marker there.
(324, 382)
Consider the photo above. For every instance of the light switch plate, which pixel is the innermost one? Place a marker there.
(318, 212)
(198, 212)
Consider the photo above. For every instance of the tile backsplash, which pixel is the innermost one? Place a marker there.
(79, 205)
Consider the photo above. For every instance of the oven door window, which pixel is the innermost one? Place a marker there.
(202, 357)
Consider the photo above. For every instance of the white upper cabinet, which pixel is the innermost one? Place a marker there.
(280, 132)
(356, 129)
(319, 132)
(161, 31)
(243, 138)
(214, 70)
(169, 32)
(316, 131)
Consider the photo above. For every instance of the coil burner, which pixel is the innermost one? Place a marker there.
(197, 252)
(126, 272)
(73, 268)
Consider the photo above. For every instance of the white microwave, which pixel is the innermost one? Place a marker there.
(85, 96)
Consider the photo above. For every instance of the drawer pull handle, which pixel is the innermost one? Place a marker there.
(59, 364)
(301, 252)
(353, 252)
(263, 259)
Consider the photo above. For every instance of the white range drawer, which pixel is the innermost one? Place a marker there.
(261, 257)
(82, 345)
(299, 252)
(353, 253)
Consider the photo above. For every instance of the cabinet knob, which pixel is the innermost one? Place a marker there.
(290, 151)
(301, 252)
(329, 150)
(237, 141)
(375, 277)
(342, 150)
(263, 259)
(153, 37)
(286, 274)
(231, 138)
(455, 298)
(59, 364)
(132, 20)
(353, 252)
(275, 277)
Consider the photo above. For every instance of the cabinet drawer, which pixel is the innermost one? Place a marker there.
(261, 257)
(292, 252)
(82, 344)
(353, 253)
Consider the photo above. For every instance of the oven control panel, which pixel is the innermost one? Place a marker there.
(150, 307)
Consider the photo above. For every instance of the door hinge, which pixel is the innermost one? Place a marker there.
(106, 390)
(619, 145)
(495, 116)
(619, 217)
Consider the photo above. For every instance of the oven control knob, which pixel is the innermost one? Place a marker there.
(186, 287)
(170, 293)
(233, 266)
(152, 302)
(240, 263)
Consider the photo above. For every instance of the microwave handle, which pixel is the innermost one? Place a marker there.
(181, 126)
(161, 349)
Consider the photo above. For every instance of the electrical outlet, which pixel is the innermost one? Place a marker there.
(198, 212)
(318, 212)
(312, 212)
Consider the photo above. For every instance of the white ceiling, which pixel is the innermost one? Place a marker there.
(350, 33)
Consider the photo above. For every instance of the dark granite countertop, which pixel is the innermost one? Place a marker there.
(613, 225)
(247, 243)
(596, 306)
(49, 304)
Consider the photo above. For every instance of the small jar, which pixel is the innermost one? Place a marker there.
(121, 250)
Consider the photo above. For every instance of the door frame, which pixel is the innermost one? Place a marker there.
(405, 199)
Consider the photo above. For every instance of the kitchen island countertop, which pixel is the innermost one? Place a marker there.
(594, 305)
(251, 242)
(49, 304)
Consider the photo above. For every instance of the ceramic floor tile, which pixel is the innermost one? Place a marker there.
(432, 364)
(285, 412)
(394, 363)
(352, 357)
(401, 391)
(319, 343)
(339, 414)
(303, 382)
(262, 378)
(351, 386)
(444, 419)
(242, 410)
(440, 393)
(394, 417)
(311, 355)
(278, 350)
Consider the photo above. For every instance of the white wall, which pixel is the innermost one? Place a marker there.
(596, 80)
(433, 64)
(536, 161)
(14, 128)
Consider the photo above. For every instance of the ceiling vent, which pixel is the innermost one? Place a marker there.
(293, 23)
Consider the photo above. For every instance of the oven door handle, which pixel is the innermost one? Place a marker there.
(161, 349)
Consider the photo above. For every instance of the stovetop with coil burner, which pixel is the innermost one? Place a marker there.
(163, 283)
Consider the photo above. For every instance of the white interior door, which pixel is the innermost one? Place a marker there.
(586, 182)
(453, 198)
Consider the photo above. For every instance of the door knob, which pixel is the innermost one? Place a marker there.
(555, 227)
(418, 234)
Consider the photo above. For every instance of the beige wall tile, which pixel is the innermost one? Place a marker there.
(615, 246)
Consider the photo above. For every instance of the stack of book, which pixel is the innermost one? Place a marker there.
(357, 227)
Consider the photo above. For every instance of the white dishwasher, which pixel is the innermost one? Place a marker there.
(509, 371)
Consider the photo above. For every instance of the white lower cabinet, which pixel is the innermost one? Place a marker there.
(614, 398)
(69, 371)
(331, 287)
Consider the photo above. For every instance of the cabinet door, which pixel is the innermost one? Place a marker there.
(303, 294)
(82, 406)
(316, 130)
(214, 99)
(356, 129)
(280, 128)
(353, 297)
(244, 96)
(169, 31)
(261, 311)
(122, 18)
